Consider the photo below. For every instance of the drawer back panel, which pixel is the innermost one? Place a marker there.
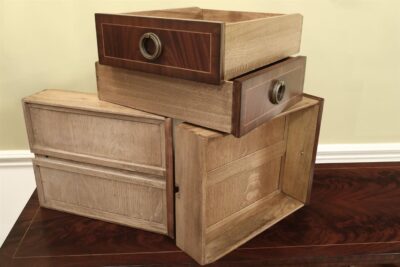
(102, 194)
(97, 192)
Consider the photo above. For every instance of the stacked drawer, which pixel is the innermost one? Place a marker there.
(232, 121)
(101, 160)
(236, 106)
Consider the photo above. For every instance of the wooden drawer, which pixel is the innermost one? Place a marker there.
(235, 107)
(230, 189)
(107, 194)
(196, 44)
(79, 127)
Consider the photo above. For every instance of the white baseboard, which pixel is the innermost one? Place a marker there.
(17, 179)
(11, 158)
(332, 153)
(348, 153)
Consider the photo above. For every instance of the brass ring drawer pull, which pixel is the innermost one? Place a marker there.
(278, 92)
(157, 44)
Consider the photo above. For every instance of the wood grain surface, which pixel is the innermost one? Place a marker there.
(128, 198)
(85, 102)
(253, 44)
(231, 189)
(199, 103)
(80, 127)
(352, 220)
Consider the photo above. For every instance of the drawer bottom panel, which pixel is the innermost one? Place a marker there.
(121, 197)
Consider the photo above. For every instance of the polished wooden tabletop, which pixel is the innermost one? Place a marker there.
(353, 219)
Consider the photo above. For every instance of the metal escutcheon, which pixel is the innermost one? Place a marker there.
(157, 43)
(278, 92)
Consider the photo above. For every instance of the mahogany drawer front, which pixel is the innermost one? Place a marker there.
(79, 127)
(107, 194)
(231, 189)
(261, 95)
(235, 107)
(196, 44)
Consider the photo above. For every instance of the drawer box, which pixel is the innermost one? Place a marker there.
(196, 44)
(131, 146)
(231, 189)
(235, 107)
(79, 127)
(112, 195)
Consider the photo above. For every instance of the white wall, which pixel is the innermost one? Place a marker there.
(352, 48)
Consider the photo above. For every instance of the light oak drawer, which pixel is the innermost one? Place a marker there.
(196, 44)
(107, 194)
(236, 106)
(231, 189)
(79, 127)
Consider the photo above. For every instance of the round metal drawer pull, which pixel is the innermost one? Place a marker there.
(278, 92)
(157, 44)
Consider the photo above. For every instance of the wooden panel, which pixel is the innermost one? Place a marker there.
(190, 177)
(169, 162)
(238, 187)
(248, 224)
(252, 44)
(180, 13)
(122, 141)
(197, 13)
(202, 104)
(86, 101)
(221, 151)
(106, 194)
(240, 190)
(255, 91)
(302, 144)
(246, 163)
(229, 17)
(190, 50)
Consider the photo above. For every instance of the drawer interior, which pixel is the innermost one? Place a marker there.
(195, 13)
(266, 185)
(238, 187)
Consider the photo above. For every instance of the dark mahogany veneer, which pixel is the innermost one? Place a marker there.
(190, 50)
